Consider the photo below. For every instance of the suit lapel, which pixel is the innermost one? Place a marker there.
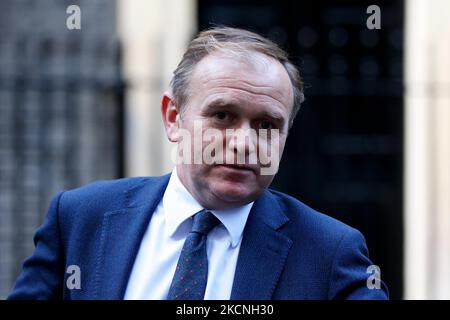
(263, 251)
(122, 232)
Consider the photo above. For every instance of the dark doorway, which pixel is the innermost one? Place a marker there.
(344, 155)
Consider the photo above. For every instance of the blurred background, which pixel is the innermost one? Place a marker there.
(370, 146)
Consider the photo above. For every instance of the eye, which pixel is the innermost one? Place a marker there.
(221, 115)
(265, 125)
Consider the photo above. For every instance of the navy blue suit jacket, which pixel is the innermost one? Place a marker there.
(289, 251)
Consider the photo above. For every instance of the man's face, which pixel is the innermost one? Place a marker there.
(228, 93)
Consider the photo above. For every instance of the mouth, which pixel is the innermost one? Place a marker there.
(240, 167)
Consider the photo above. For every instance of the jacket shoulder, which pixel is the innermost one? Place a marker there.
(318, 225)
(333, 254)
(106, 194)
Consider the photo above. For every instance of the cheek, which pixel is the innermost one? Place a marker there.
(270, 151)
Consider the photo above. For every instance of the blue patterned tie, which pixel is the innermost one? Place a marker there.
(189, 281)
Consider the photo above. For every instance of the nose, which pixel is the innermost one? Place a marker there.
(242, 144)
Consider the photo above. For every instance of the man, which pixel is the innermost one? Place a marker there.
(211, 229)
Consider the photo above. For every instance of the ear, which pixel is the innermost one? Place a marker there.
(170, 115)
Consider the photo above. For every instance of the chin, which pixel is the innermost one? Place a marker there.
(232, 193)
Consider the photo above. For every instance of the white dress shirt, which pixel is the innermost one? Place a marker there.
(161, 246)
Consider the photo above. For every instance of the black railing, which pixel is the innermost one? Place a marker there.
(61, 126)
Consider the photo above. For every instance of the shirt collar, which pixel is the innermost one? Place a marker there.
(179, 205)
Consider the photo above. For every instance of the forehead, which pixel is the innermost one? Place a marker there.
(254, 76)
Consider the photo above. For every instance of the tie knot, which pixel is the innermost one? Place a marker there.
(204, 222)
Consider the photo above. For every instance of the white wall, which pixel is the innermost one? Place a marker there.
(427, 153)
(154, 34)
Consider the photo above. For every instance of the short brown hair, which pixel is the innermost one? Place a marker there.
(238, 40)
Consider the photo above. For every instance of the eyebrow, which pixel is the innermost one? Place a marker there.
(220, 103)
